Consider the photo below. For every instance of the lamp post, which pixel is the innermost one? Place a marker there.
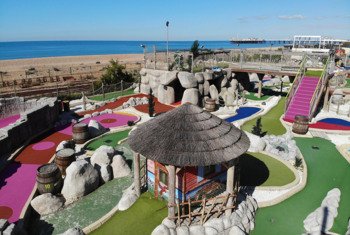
(144, 61)
(144, 53)
(167, 43)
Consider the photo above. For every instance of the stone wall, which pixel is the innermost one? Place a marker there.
(175, 86)
(31, 123)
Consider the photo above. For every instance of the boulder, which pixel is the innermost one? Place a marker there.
(128, 199)
(190, 95)
(182, 230)
(210, 231)
(224, 82)
(235, 230)
(208, 75)
(215, 223)
(214, 94)
(106, 173)
(65, 144)
(47, 203)
(257, 144)
(285, 79)
(120, 167)
(199, 77)
(230, 99)
(187, 80)
(10, 230)
(95, 128)
(201, 89)
(228, 73)
(145, 89)
(3, 224)
(95, 114)
(143, 72)
(227, 222)
(73, 231)
(197, 230)
(166, 94)
(234, 84)
(81, 179)
(168, 77)
(253, 77)
(169, 223)
(145, 79)
(206, 87)
(161, 230)
(102, 156)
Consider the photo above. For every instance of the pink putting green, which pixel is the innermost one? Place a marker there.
(44, 145)
(9, 120)
(16, 185)
(109, 120)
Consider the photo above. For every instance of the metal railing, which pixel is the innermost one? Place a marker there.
(295, 83)
(319, 88)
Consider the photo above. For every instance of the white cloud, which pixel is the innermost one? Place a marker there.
(291, 17)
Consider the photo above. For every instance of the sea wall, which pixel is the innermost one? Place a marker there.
(31, 123)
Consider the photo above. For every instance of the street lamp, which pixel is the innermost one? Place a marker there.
(144, 53)
(167, 43)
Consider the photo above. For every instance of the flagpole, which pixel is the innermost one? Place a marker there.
(167, 44)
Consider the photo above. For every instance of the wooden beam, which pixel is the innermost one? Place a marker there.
(156, 179)
(171, 190)
(137, 180)
(230, 186)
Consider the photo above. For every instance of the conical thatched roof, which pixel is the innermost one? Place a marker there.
(188, 136)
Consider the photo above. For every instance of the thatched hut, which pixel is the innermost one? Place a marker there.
(187, 150)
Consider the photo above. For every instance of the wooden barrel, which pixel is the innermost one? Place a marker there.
(64, 158)
(301, 124)
(49, 179)
(210, 105)
(80, 133)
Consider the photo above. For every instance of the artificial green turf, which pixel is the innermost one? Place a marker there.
(109, 140)
(270, 121)
(347, 83)
(141, 218)
(252, 96)
(258, 169)
(313, 73)
(112, 95)
(327, 169)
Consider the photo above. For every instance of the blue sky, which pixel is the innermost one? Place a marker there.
(22, 20)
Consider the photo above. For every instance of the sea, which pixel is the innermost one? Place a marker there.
(40, 49)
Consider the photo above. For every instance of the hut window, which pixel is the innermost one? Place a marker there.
(209, 170)
(163, 177)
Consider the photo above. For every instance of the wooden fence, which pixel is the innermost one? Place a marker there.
(199, 211)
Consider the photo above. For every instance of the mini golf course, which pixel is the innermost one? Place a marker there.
(243, 112)
(109, 140)
(19, 176)
(112, 95)
(4, 122)
(327, 169)
(89, 208)
(141, 218)
(270, 121)
(258, 169)
(252, 96)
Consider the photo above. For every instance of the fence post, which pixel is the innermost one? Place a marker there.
(155, 56)
(14, 87)
(103, 92)
(93, 88)
(57, 90)
(121, 86)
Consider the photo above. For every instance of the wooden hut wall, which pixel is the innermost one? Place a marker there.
(162, 188)
(194, 176)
